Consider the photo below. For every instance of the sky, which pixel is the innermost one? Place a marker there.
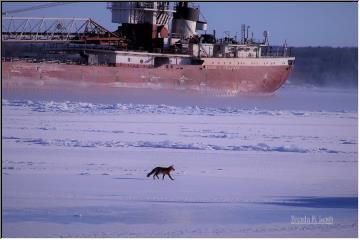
(299, 24)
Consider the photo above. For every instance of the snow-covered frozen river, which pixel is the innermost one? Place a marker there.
(283, 165)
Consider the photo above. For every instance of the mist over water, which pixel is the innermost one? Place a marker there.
(288, 97)
(325, 67)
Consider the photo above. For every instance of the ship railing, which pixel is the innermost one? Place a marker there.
(40, 60)
(276, 51)
(235, 40)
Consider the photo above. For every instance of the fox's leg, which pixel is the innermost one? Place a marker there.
(157, 176)
(154, 176)
(163, 175)
(170, 176)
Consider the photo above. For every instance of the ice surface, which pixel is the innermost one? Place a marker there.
(77, 168)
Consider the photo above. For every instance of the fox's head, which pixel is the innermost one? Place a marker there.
(172, 168)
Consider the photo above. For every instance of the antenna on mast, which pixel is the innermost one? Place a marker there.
(47, 5)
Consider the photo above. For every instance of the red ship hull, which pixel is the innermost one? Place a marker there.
(215, 79)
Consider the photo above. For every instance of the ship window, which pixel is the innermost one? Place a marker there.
(129, 59)
(141, 61)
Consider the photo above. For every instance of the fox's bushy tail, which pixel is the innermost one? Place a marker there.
(149, 174)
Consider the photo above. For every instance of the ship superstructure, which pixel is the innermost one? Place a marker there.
(158, 45)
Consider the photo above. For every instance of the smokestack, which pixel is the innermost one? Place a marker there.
(247, 32)
(242, 33)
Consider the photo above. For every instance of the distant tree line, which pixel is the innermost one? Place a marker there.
(325, 66)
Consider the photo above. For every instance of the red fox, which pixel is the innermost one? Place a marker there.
(162, 170)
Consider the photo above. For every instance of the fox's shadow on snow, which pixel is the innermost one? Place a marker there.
(129, 178)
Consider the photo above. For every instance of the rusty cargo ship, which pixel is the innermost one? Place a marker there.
(156, 46)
